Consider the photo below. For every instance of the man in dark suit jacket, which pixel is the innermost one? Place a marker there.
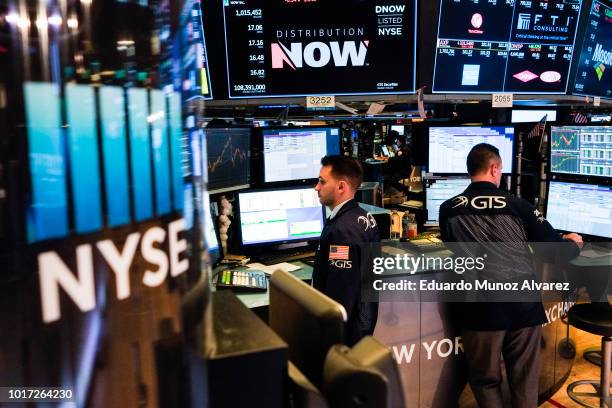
(347, 235)
(485, 214)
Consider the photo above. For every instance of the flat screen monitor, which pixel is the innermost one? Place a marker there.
(527, 116)
(210, 230)
(295, 153)
(438, 191)
(228, 158)
(594, 74)
(581, 150)
(280, 216)
(505, 46)
(196, 74)
(307, 320)
(340, 47)
(582, 208)
(399, 129)
(449, 146)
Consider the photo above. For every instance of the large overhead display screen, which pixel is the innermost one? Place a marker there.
(310, 47)
(594, 76)
(519, 46)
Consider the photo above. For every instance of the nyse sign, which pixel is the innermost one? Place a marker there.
(142, 253)
(390, 20)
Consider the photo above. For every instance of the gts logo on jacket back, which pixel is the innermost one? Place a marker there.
(481, 202)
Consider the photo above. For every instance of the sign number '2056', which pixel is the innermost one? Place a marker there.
(503, 100)
(320, 102)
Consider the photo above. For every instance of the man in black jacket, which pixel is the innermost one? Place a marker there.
(484, 213)
(348, 231)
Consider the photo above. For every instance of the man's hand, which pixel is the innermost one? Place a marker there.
(574, 237)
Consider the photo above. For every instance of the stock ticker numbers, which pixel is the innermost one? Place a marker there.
(319, 47)
(530, 42)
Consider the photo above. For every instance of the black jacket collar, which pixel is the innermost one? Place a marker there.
(482, 185)
(349, 205)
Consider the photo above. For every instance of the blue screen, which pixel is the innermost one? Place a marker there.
(140, 153)
(114, 145)
(176, 142)
(48, 212)
(84, 163)
(160, 152)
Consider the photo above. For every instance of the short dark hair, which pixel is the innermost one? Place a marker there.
(480, 157)
(344, 167)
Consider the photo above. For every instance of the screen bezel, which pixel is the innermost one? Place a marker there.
(452, 125)
(287, 183)
(588, 237)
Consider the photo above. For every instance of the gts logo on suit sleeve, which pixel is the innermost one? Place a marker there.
(481, 202)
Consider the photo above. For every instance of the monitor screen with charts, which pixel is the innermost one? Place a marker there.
(295, 154)
(227, 158)
(438, 191)
(581, 150)
(449, 146)
(582, 208)
(280, 216)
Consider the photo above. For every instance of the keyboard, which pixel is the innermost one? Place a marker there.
(241, 281)
(278, 257)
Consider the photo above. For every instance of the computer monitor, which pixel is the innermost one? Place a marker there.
(581, 150)
(529, 115)
(227, 158)
(399, 129)
(307, 320)
(210, 231)
(582, 208)
(449, 146)
(438, 191)
(279, 216)
(295, 153)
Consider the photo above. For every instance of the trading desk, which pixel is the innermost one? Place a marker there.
(254, 300)
(426, 342)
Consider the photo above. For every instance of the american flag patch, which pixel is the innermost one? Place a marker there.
(339, 252)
